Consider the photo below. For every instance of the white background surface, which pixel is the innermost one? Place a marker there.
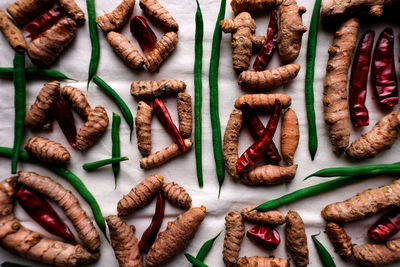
(75, 61)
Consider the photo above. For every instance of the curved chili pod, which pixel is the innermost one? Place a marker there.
(265, 236)
(143, 34)
(386, 227)
(43, 22)
(63, 114)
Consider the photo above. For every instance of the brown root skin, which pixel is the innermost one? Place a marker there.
(140, 195)
(47, 150)
(296, 238)
(291, 30)
(45, 49)
(234, 233)
(254, 5)
(340, 240)
(263, 102)
(11, 32)
(274, 217)
(335, 101)
(262, 262)
(184, 107)
(24, 11)
(143, 128)
(159, 15)
(124, 242)
(125, 50)
(378, 254)
(161, 51)
(176, 237)
(269, 174)
(148, 90)
(77, 99)
(290, 135)
(39, 113)
(116, 19)
(382, 136)
(177, 195)
(231, 142)
(73, 11)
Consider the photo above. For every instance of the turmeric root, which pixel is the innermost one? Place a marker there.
(290, 135)
(47, 150)
(335, 86)
(125, 50)
(251, 79)
(263, 217)
(115, 20)
(382, 136)
(140, 195)
(176, 237)
(378, 254)
(77, 99)
(163, 155)
(45, 49)
(296, 238)
(243, 28)
(13, 35)
(184, 107)
(364, 204)
(234, 233)
(257, 261)
(159, 14)
(340, 240)
(263, 102)
(254, 5)
(291, 30)
(177, 195)
(39, 113)
(231, 142)
(161, 51)
(31, 245)
(69, 203)
(23, 11)
(124, 242)
(143, 128)
(147, 90)
(73, 10)
(269, 174)
(91, 131)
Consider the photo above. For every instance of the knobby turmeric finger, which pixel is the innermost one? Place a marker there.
(125, 50)
(251, 79)
(47, 150)
(177, 195)
(124, 242)
(367, 203)
(231, 142)
(91, 131)
(290, 135)
(335, 85)
(13, 35)
(263, 217)
(116, 19)
(24, 11)
(143, 128)
(184, 107)
(269, 174)
(378, 254)
(254, 5)
(147, 90)
(73, 10)
(77, 99)
(39, 113)
(234, 233)
(296, 238)
(340, 240)
(176, 237)
(140, 195)
(263, 102)
(262, 262)
(161, 51)
(159, 14)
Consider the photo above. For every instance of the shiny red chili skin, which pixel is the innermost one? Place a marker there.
(256, 129)
(143, 34)
(359, 80)
(264, 56)
(43, 22)
(63, 114)
(40, 210)
(165, 118)
(255, 152)
(383, 73)
(150, 235)
(386, 227)
(264, 236)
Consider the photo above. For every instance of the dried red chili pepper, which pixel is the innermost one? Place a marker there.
(150, 235)
(165, 119)
(255, 152)
(359, 80)
(383, 75)
(143, 34)
(40, 210)
(264, 56)
(386, 227)
(264, 236)
(43, 22)
(63, 114)
(256, 129)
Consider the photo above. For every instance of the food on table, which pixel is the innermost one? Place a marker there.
(378, 254)
(296, 238)
(177, 195)
(263, 102)
(94, 40)
(234, 233)
(159, 14)
(41, 23)
(47, 150)
(23, 11)
(143, 34)
(100, 163)
(262, 261)
(115, 145)
(290, 135)
(143, 128)
(116, 19)
(11, 32)
(77, 100)
(231, 142)
(125, 50)
(73, 10)
(323, 253)
(146, 90)
(161, 51)
(263, 217)
(63, 114)
(254, 5)
(269, 174)
(265, 236)
(340, 240)
(184, 107)
(386, 227)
